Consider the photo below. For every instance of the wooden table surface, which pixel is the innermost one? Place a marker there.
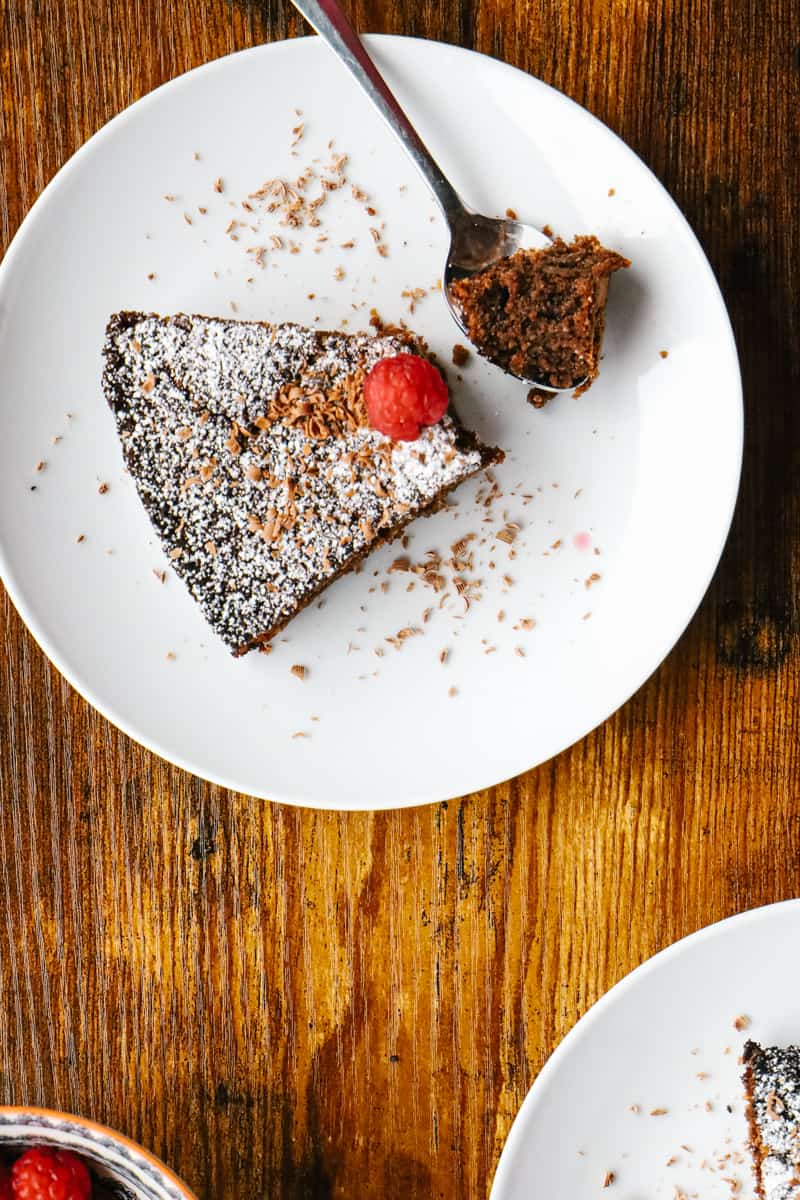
(287, 1003)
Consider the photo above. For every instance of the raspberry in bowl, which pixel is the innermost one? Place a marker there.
(47, 1155)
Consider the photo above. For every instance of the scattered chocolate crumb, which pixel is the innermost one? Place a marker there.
(56, 439)
(527, 623)
(612, 191)
(634, 1108)
(161, 576)
(593, 578)
(508, 533)
(452, 691)
(741, 1023)
(658, 1112)
(338, 273)
(103, 488)
(608, 1179)
(170, 656)
(413, 295)
(664, 353)
(187, 218)
(512, 216)
(298, 670)
(217, 185)
(538, 397)
(520, 653)
(501, 616)
(300, 734)
(81, 537)
(461, 355)
(40, 466)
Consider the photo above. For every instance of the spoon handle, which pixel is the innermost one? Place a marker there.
(333, 26)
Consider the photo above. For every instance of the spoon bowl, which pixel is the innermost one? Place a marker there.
(476, 241)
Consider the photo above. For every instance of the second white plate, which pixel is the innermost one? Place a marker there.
(647, 1086)
(643, 470)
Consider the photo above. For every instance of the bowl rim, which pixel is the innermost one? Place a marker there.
(13, 1110)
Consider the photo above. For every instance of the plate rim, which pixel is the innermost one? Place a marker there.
(619, 696)
(500, 1189)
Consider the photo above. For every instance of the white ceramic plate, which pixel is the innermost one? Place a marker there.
(646, 465)
(663, 1038)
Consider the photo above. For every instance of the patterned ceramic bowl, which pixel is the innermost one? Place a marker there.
(123, 1170)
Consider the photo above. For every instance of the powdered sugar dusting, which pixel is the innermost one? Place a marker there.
(255, 514)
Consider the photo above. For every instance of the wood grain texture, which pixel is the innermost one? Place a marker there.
(293, 1004)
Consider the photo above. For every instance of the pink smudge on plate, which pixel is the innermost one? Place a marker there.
(582, 541)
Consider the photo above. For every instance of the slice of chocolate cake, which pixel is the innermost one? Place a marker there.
(772, 1085)
(541, 313)
(252, 453)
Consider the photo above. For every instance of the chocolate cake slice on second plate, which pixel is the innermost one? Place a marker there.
(772, 1085)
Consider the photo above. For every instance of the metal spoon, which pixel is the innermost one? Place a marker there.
(476, 241)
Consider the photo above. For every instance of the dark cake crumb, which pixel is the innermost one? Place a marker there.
(460, 355)
(540, 313)
(537, 397)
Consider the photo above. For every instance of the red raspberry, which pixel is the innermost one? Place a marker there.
(45, 1174)
(403, 393)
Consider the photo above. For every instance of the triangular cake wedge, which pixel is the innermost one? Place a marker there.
(251, 451)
